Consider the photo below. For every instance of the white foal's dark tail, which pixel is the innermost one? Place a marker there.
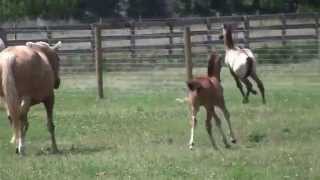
(249, 66)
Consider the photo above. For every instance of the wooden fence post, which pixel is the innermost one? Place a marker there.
(246, 31)
(283, 32)
(49, 34)
(98, 59)
(3, 36)
(188, 52)
(209, 38)
(133, 40)
(15, 31)
(170, 52)
(316, 18)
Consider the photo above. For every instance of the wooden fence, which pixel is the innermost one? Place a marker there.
(135, 44)
(132, 45)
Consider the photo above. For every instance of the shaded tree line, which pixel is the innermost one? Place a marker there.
(86, 9)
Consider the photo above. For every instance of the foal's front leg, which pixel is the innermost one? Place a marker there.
(193, 124)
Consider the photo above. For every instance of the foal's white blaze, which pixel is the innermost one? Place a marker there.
(236, 59)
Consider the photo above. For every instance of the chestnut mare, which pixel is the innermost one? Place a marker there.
(242, 64)
(29, 74)
(207, 91)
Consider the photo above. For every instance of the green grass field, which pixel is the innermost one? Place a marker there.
(139, 131)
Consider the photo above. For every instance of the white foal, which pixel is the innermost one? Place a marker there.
(242, 64)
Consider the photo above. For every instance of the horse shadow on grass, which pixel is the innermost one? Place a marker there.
(75, 150)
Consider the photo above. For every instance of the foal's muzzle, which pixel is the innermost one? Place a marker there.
(57, 83)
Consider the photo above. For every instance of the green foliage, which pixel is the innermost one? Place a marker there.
(15, 9)
(290, 53)
(147, 8)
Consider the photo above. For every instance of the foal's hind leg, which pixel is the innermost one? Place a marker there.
(218, 124)
(48, 103)
(239, 85)
(193, 124)
(249, 89)
(226, 114)
(209, 128)
(260, 86)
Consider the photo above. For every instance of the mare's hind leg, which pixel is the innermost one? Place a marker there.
(193, 124)
(25, 106)
(49, 103)
(218, 124)
(209, 128)
(260, 86)
(239, 85)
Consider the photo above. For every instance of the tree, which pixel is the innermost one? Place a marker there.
(148, 9)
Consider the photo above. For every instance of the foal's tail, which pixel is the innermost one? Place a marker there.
(212, 63)
(249, 66)
(9, 85)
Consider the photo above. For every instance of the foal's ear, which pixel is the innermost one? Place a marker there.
(57, 46)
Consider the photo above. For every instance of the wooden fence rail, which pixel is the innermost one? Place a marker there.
(127, 41)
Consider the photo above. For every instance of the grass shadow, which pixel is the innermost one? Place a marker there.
(74, 150)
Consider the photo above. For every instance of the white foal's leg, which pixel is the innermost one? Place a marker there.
(260, 85)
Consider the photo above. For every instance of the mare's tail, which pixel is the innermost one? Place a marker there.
(9, 86)
(249, 66)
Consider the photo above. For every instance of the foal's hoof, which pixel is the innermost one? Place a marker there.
(20, 153)
(254, 92)
(191, 146)
(55, 151)
(228, 146)
(245, 101)
(234, 141)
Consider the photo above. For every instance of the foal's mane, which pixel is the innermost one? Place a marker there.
(214, 65)
(228, 36)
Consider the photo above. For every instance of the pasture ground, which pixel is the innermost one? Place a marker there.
(139, 131)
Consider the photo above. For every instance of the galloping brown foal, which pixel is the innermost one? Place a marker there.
(207, 91)
(28, 75)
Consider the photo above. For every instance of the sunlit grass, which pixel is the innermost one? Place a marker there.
(139, 131)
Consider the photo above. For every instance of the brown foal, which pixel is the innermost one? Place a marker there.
(207, 91)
